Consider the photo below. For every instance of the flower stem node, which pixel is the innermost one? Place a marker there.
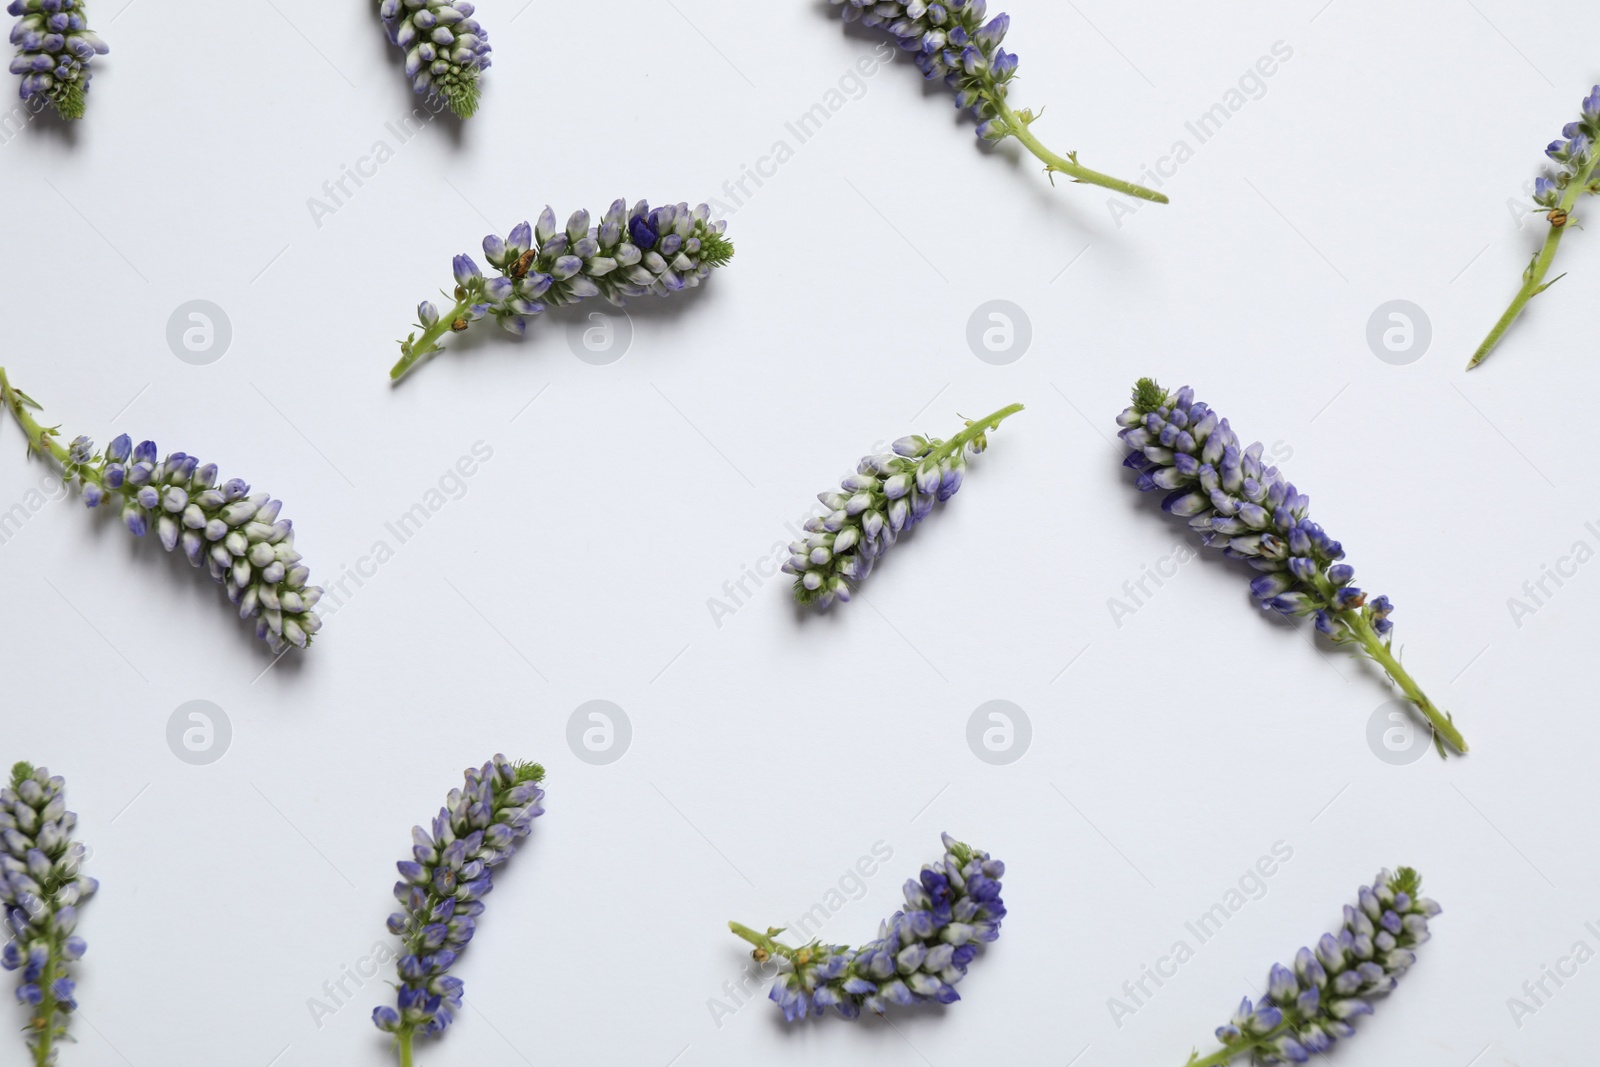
(1555, 194)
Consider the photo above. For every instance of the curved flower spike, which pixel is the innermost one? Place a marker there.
(445, 48)
(1577, 173)
(1250, 512)
(40, 891)
(235, 534)
(1315, 1001)
(955, 40)
(888, 494)
(919, 956)
(54, 47)
(441, 891)
(629, 253)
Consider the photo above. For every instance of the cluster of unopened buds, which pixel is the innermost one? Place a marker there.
(922, 951)
(887, 495)
(445, 48)
(236, 535)
(54, 47)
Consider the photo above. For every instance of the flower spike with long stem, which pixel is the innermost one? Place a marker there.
(235, 534)
(1576, 154)
(1310, 1005)
(628, 253)
(54, 47)
(954, 41)
(888, 494)
(441, 890)
(919, 956)
(445, 48)
(1252, 513)
(40, 890)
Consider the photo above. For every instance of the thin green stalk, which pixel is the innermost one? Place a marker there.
(1444, 730)
(413, 350)
(1533, 282)
(403, 1041)
(974, 430)
(1234, 1051)
(1067, 164)
(44, 1020)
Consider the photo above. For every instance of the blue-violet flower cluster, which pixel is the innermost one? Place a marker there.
(54, 47)
(445, 48)
(236, 535)
(1576, 155)
(627, 253)
(888, 494)
(441, 891)
(956, 41)
(1250, 512)
(40, 890)
(919, 956)
(1311, 1003)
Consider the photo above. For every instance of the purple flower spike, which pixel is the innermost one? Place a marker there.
(1308, 1006)
(646, 251)
(921, 952)
(41, 889)
(1239, 504)
(441, 888)
(445, 49)
(54, 48)
(235, 535)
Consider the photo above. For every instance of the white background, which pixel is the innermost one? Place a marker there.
(772, 751)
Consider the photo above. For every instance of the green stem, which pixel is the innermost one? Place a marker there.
(41, 439)
(413, 349)
(1067, 165)
(44, 1021)
(974, 430)
(403, 1042)
(1533, 278)
(1234, 1051)
(1444, 730)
